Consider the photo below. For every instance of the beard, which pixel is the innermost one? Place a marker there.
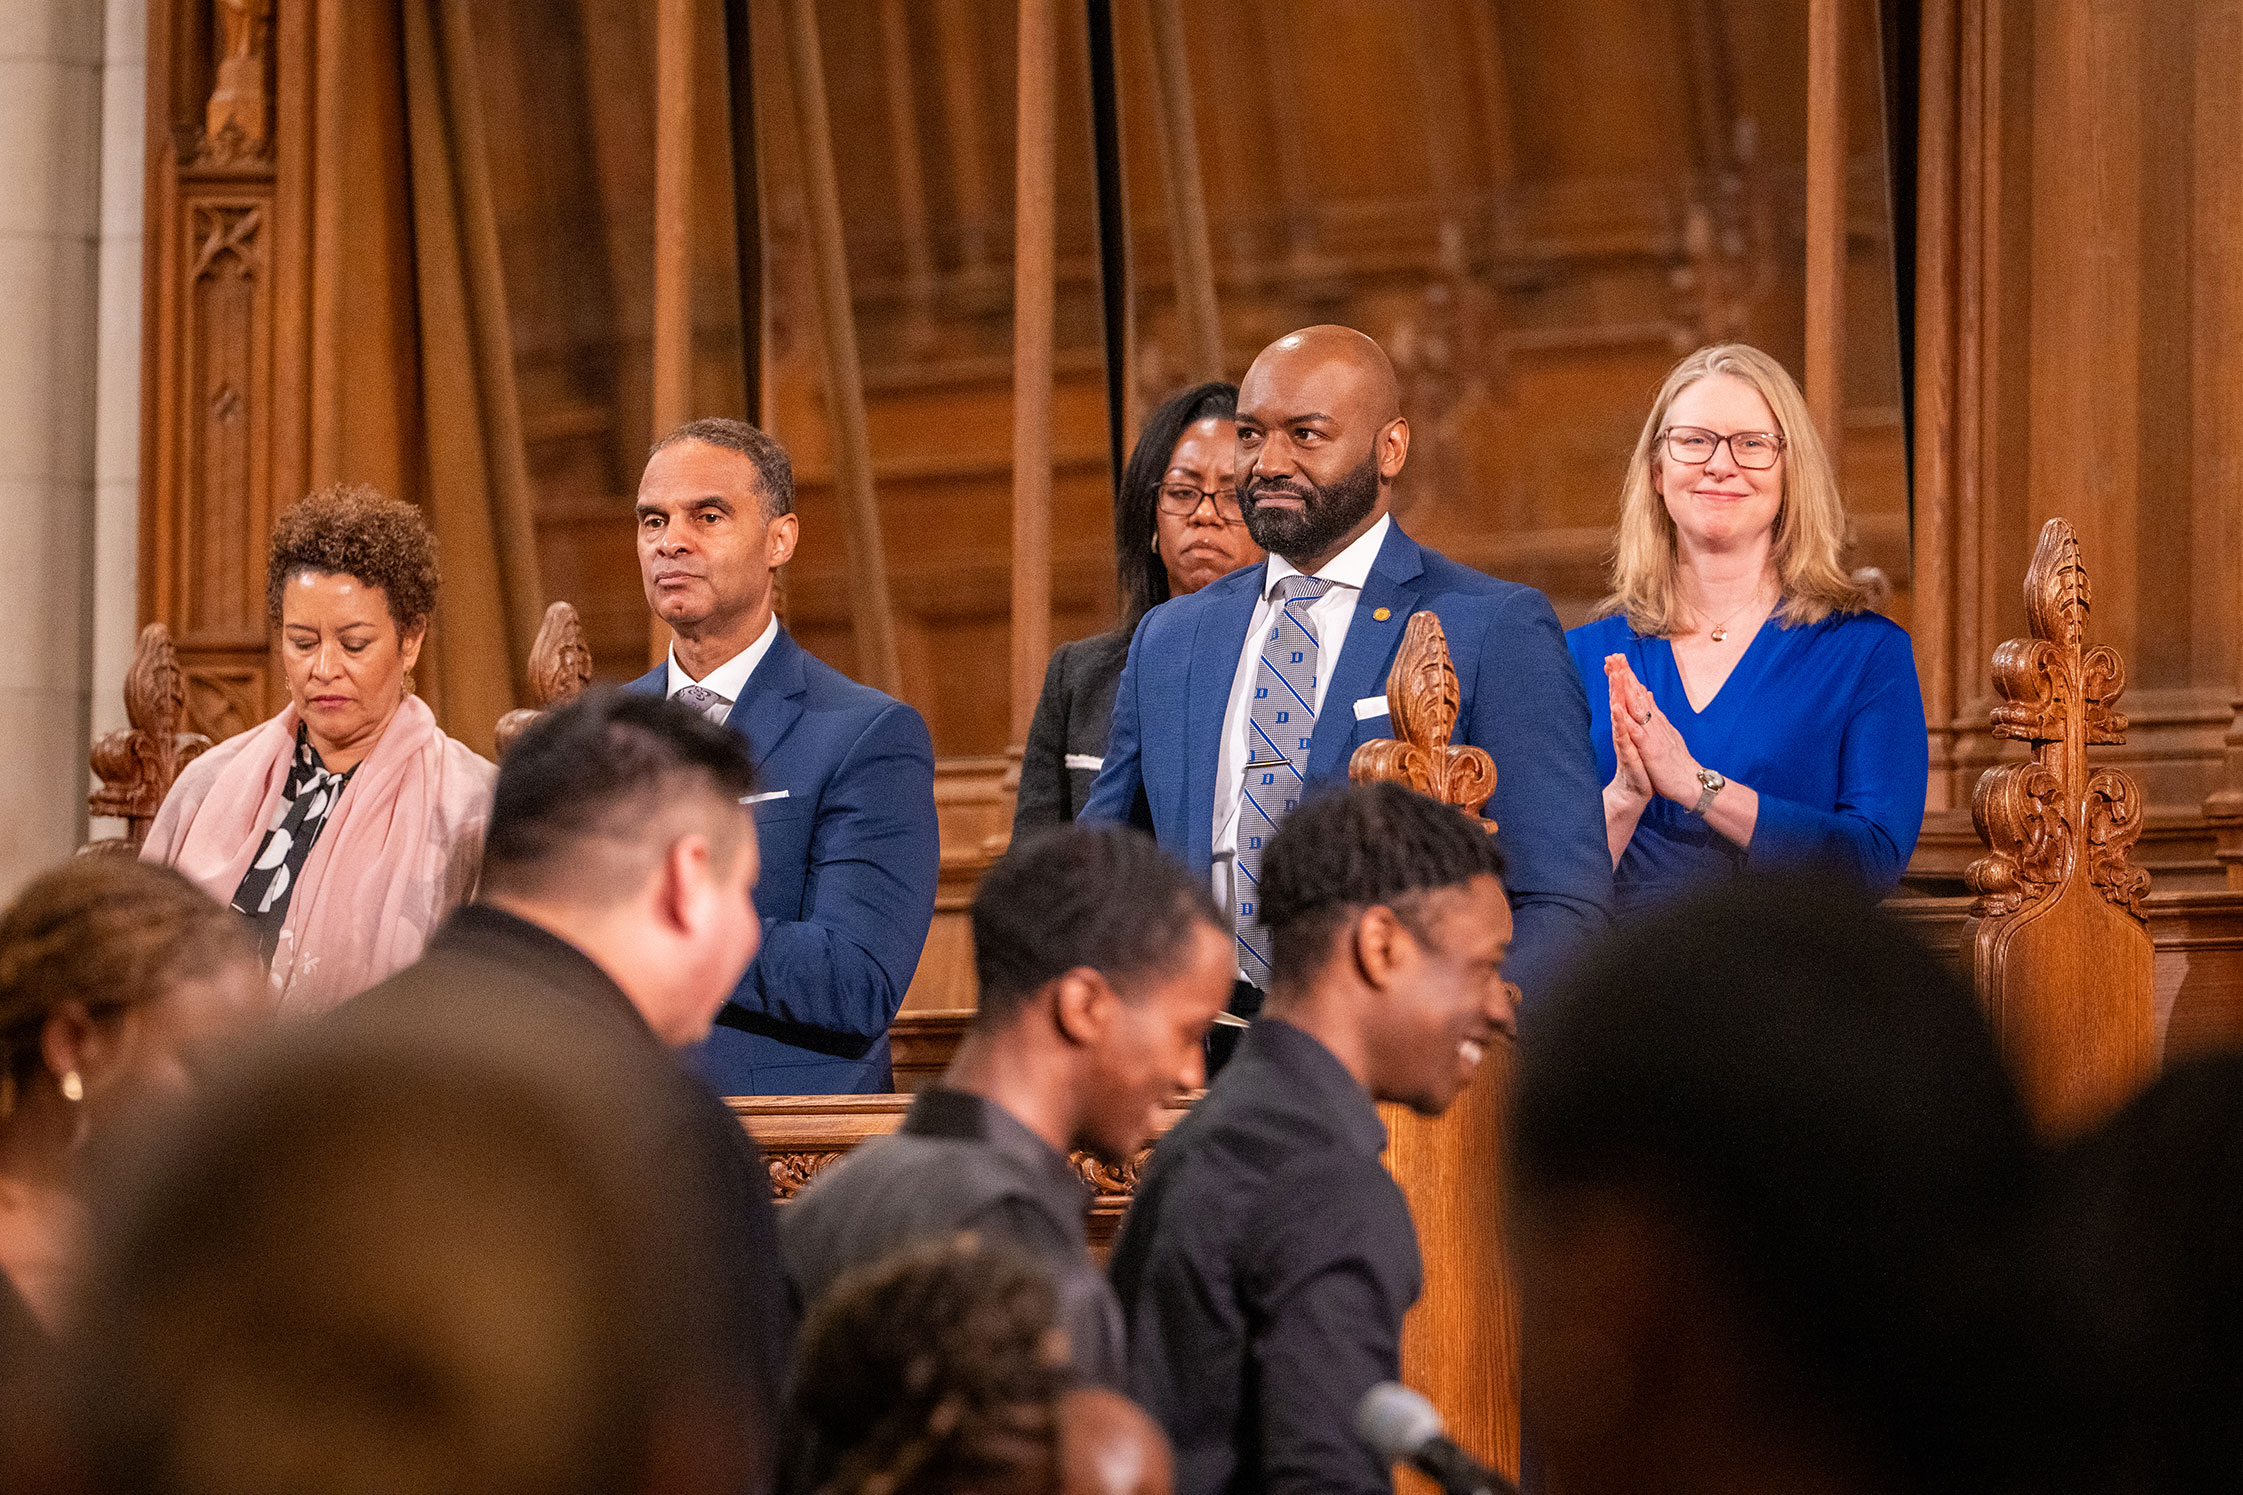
(1327, 512)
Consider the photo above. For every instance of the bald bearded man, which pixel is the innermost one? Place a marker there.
(1244, 697)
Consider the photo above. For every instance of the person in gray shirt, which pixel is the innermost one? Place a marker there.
(1101, 964)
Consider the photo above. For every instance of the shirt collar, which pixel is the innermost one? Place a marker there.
(1315, 1073)
(938, 1111)
(476, 927)
(730, 678)
(1350, 568)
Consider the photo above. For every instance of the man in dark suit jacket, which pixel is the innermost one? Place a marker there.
(1208, 748)
(846, 815)
(614, 916)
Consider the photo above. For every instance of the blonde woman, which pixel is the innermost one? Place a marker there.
(1747, 706)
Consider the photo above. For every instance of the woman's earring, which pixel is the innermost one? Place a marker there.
(73, 1088)
(1156, 542)
(409, 682)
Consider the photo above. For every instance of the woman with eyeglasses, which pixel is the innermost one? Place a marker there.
(1747, 705)
(1177, 527)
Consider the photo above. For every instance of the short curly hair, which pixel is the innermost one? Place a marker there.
(352, 529)
(932, 1371)
(1352, 847)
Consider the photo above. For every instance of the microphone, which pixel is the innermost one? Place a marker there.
(1402, 1428)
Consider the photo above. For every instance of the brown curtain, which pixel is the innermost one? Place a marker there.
(413, 363)
(477, 489)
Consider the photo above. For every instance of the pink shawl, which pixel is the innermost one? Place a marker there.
(400, 851)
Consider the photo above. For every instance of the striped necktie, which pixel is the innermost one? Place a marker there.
(711, 705)
(1281, 720)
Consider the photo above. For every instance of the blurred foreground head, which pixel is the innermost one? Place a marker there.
(375, 1261)
(1772, 1187)
(941, 1369)
(2151, 1213)
(619, 823)
(117, 978)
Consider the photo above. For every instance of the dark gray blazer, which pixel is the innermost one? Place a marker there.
(1072, 716)
(960, 1163)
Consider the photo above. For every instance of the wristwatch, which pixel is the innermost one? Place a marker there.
(1712, 783)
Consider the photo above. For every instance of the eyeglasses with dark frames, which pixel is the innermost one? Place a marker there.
(1694, 445)
(1183, 500)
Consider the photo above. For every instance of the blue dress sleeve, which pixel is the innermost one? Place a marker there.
(1884, 764)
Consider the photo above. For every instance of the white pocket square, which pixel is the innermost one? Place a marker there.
(765, 797)
(1369, 707)
(1090, 761)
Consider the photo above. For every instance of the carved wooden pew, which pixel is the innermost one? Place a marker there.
(2060, 953)
(1460, 1343)
(138, 764)
(560, 669)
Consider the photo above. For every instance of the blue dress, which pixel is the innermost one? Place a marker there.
(1824, 721)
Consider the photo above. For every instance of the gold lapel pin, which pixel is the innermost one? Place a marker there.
(1382, 614)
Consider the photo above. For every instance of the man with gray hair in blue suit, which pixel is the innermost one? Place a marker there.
(845, 816)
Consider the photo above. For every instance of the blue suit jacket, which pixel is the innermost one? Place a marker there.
(1522, 701)
(847, 888)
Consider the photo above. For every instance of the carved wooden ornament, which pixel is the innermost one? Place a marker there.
(237, 122)
(1464, 1326)
(1422, 700)
(560, 668)
(137, 764)
(2060, 952)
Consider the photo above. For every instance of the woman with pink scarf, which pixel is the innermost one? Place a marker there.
(347, 826)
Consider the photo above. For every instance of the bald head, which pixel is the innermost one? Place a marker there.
(1320, 441)
(1334, 358)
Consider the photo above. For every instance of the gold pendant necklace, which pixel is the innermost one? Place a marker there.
(1719, 633)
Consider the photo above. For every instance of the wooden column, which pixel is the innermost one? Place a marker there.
(1034, 248)
(673, 237)
(1937, 264)
(962, 105)
(870, 614)
(1826, 221)
(673, 214)
(1199, 321)
(911, 187)
(224, 340)
(2216, 377)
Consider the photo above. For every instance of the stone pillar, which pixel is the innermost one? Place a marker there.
(50, 158)
(116, 453)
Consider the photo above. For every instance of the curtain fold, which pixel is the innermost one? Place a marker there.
(471, 473)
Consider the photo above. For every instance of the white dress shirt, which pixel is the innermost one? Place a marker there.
(1328, 618)
(727, 679)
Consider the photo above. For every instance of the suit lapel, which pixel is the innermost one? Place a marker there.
(654, 682)
(771, 703)
(1368, 653)
(1215, 647)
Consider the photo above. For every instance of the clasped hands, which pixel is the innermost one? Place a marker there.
(1652, 757)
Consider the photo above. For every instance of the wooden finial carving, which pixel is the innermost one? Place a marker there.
(1422, 700)
(137, 764)
(2060, 952)
(2059, 695)
(237, 124)
(560, 668)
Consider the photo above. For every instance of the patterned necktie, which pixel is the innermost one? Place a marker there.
(711, 705)
(1281, 719)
